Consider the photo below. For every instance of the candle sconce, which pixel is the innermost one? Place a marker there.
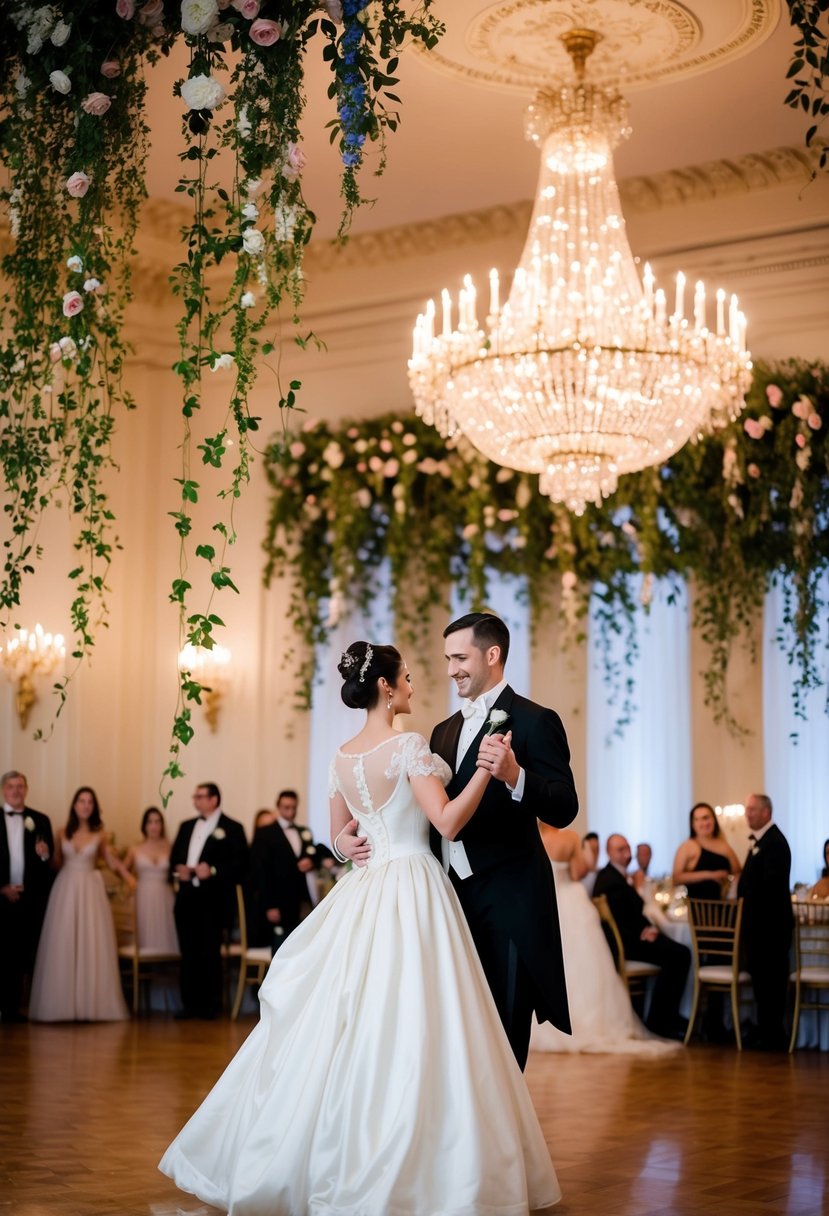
(26, 655)
(210, 668)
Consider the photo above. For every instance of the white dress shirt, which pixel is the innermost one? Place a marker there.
(15, 828)
(202, 829)
(294, 839)
(453, 852)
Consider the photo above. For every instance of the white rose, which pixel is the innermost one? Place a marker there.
(60, 33)
(248, 300)
(29, 823)
(91, 284)
(253, 241)
(243, 122)
(75, 263)
(221, 362)
(197, 16)
(34, 44)
(22, 84)
(219, 834)
(250, 211)
(284, 223)
(202, 93)
(60, 82)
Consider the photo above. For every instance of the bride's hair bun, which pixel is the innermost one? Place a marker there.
(361, 666)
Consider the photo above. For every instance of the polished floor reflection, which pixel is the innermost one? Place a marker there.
(86, 1111)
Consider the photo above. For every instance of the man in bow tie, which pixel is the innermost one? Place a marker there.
(767, 920)
(25, 879)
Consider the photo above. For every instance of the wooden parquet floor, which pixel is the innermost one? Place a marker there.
(86, 1111)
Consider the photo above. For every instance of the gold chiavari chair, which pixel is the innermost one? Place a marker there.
(635, 974)
(715, 943)
(811, 959)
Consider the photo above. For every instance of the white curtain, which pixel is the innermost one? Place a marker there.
(331, 721)
(639, 784)
(796, 751)
(507, 599)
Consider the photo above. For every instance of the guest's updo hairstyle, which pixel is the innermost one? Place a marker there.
(361, 666)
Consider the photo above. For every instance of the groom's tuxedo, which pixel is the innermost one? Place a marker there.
(21, 921)
(509, 900)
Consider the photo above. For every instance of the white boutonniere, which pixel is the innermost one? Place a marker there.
(219, 834)
(755, 850)
(29, 823)
(305, 833)
(496, 720)
(310, 851)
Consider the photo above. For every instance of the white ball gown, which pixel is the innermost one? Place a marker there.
(600, 1011)
(76, 976)
(378, 1081)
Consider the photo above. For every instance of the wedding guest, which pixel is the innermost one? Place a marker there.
(150, 862)
(767, 920)
(263, 819)
(590, 853)
(821, 888)
(26, 847)
(705, 861)
(208, 859)
(644, 856)
(642, 940)
(276, 891)
(310, 856)
(76, 975)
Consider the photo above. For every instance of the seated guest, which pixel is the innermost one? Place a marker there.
(644, 856)
(590, 854)
(641, 940)
(705, 861)
(821, 888)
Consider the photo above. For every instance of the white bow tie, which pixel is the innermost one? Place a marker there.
(474, 709)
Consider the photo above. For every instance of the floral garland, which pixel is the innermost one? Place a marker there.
(747, 506)
(72, 87)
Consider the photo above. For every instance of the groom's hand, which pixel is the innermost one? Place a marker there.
(352, 846)
(497, 757)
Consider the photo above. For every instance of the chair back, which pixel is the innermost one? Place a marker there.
(611, 932)
(811, 936)
(715, 931)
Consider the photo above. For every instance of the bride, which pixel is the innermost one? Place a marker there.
(379, 1078)
(600, 1011)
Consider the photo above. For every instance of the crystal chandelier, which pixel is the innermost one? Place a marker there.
(583, 374)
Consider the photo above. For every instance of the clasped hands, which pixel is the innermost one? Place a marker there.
(186, 873)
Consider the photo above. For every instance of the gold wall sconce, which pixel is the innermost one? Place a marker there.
(211, 669)
(25, 655)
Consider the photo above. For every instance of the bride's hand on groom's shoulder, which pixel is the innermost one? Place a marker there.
(353, 847)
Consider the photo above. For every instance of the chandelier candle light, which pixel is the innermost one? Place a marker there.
(27, 654)
(584, 373)
(210, 668)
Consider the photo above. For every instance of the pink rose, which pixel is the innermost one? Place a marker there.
(249, 9)
(753, 428)
(110, 68)
(802, 408)
(264, 33)
(753, 470)
(150, 12)
(294, 162)
(297, 449)
(774, 395)
(814, 421)
(800, 440)
(77, 185)
(96, 104)
(72, 304)
(125, 9)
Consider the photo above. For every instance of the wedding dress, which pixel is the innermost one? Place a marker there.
(76, 976)
(600, 1011)
(379, 1081)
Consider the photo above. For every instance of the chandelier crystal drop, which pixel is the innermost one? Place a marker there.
(585, 372)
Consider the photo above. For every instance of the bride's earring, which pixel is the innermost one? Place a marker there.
(389, 701)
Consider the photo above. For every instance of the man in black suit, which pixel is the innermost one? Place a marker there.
(208, 859)
(767, 920)
(26, 847)
(642, 940)
(276, 890)
(497, 863)
(310, 857)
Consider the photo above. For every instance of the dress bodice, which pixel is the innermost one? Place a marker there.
(709, 888)
(148, 870)
(376, 787)
(561, 872)
(80, 860)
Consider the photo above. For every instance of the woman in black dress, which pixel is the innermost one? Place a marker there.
(705, 861)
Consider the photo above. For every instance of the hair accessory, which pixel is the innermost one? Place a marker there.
(366, 662)
(348, 660)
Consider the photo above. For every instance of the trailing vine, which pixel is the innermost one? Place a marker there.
(746, 506)
(809, 69)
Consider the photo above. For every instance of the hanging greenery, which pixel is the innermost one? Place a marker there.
(746, 506)
(808, 70)
(74, 140)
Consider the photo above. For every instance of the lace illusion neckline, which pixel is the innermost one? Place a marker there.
(401, 734)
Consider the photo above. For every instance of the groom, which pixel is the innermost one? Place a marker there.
(497, 863)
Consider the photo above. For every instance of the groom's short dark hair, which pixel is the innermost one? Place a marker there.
(487, 630)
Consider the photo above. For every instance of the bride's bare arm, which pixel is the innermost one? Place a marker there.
(450, 815)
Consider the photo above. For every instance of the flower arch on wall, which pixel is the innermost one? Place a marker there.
(732, 514)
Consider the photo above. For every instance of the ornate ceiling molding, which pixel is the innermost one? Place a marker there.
(515, 44)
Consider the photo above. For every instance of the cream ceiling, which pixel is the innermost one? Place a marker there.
(706, 81)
